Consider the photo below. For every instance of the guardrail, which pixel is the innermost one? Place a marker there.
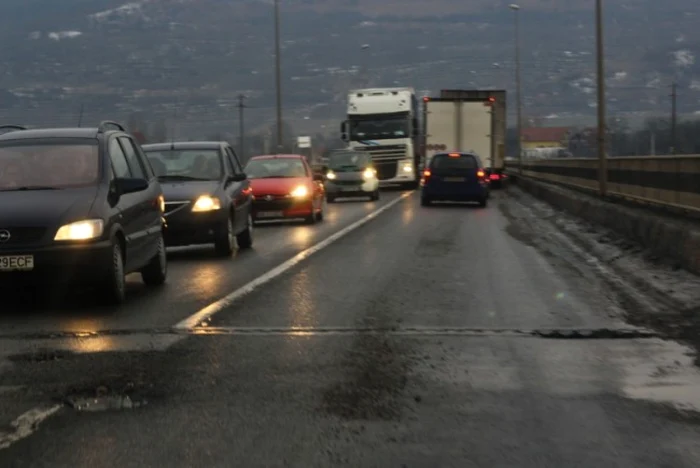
(671, 182)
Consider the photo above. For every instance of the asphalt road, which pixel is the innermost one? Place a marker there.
(410, 341)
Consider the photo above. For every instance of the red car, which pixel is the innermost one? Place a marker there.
(285, 187)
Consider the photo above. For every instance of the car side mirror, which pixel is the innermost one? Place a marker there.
(127, 185)
(238, 177)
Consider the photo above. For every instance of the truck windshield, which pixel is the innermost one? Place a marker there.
(378, 129)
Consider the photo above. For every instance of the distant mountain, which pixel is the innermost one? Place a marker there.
(187, 60)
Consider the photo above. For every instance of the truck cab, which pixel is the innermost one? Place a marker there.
(383, 122)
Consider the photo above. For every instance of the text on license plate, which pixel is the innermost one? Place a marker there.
(348, 189)
(270, 214)
(454, 179)
(16, 263)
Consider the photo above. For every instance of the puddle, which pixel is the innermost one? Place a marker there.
(41, 355)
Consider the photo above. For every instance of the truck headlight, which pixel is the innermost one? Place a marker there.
(330, 175)
(369, 174)
(80, 230)
(408, 167)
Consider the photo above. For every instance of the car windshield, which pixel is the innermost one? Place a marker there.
(348, 161)
(275, 168)
(191, 164)
(44, 166)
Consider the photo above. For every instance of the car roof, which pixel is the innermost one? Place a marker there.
(30, 134)
(184, 145)
(279, 156)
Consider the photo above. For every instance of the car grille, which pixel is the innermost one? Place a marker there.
(347, 182)
(275, 202)
(22, 236)
(173, 206)
(386, 170)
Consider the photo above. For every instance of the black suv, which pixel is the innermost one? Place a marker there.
(79, 204)
(208, 198)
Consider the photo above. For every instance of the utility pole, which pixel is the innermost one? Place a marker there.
(278, 77)
(674, 119)
(600, 59)
(241, 127)
(518, 88)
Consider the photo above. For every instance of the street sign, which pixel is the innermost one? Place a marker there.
(304, 142)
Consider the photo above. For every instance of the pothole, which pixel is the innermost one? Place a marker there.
(103, 399)
(104, 403)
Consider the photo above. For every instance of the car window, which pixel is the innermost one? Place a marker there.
(229, 163)
(49, 164)
(277, 168)
(119, 162)
(132, 158)
(190, 164)
(234, 160)
(447, 162)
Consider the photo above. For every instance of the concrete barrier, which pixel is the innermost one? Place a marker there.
(670, 238)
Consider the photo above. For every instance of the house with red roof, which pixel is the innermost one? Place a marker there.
(545, 137)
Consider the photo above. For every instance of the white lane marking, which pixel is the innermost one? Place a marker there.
(26, 425)
(208, 311)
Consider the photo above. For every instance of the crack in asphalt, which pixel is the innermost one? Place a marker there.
(558, 333)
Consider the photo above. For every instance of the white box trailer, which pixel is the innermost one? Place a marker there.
(468, 121)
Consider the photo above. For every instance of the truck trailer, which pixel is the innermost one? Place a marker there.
(467, 121)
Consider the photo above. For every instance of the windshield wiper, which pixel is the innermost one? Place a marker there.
(26, 188)
(178, 177)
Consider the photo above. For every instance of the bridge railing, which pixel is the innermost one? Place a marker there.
(672, 182)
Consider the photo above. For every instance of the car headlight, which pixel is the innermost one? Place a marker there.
(206, 203)
(300, 192)
(330, 175)
(80, 230)
(408, 167)
(369, 174)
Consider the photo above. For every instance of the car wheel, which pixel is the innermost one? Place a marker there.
(245, 238)
(156, 272)
(375, 195)
(114, 285)
(311, 219)
(483, 202)
(225, 239)
(425, 201)
(330, 199)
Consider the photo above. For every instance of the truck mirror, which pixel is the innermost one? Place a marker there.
(344, 136)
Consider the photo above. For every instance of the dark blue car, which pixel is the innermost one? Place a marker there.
(458, 177)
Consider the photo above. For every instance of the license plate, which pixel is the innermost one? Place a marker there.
(17, 263)
(454, 179)
(270, 214)
(348, 189)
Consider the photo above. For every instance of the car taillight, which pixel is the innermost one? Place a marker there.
(426, 173)
(495, 176)
(480, 174)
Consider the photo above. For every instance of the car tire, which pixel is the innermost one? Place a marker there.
(375, 195)
(425, 201)
(245, 238)
(224, 244)
(113, 287)
(156, 272)
(483, 202)
(330, 199)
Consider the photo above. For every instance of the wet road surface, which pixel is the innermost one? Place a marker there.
(410, 341)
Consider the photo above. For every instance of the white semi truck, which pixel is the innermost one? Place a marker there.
(467, 120)
(384, 123)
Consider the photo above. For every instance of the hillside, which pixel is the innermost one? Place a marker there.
(186, 60)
